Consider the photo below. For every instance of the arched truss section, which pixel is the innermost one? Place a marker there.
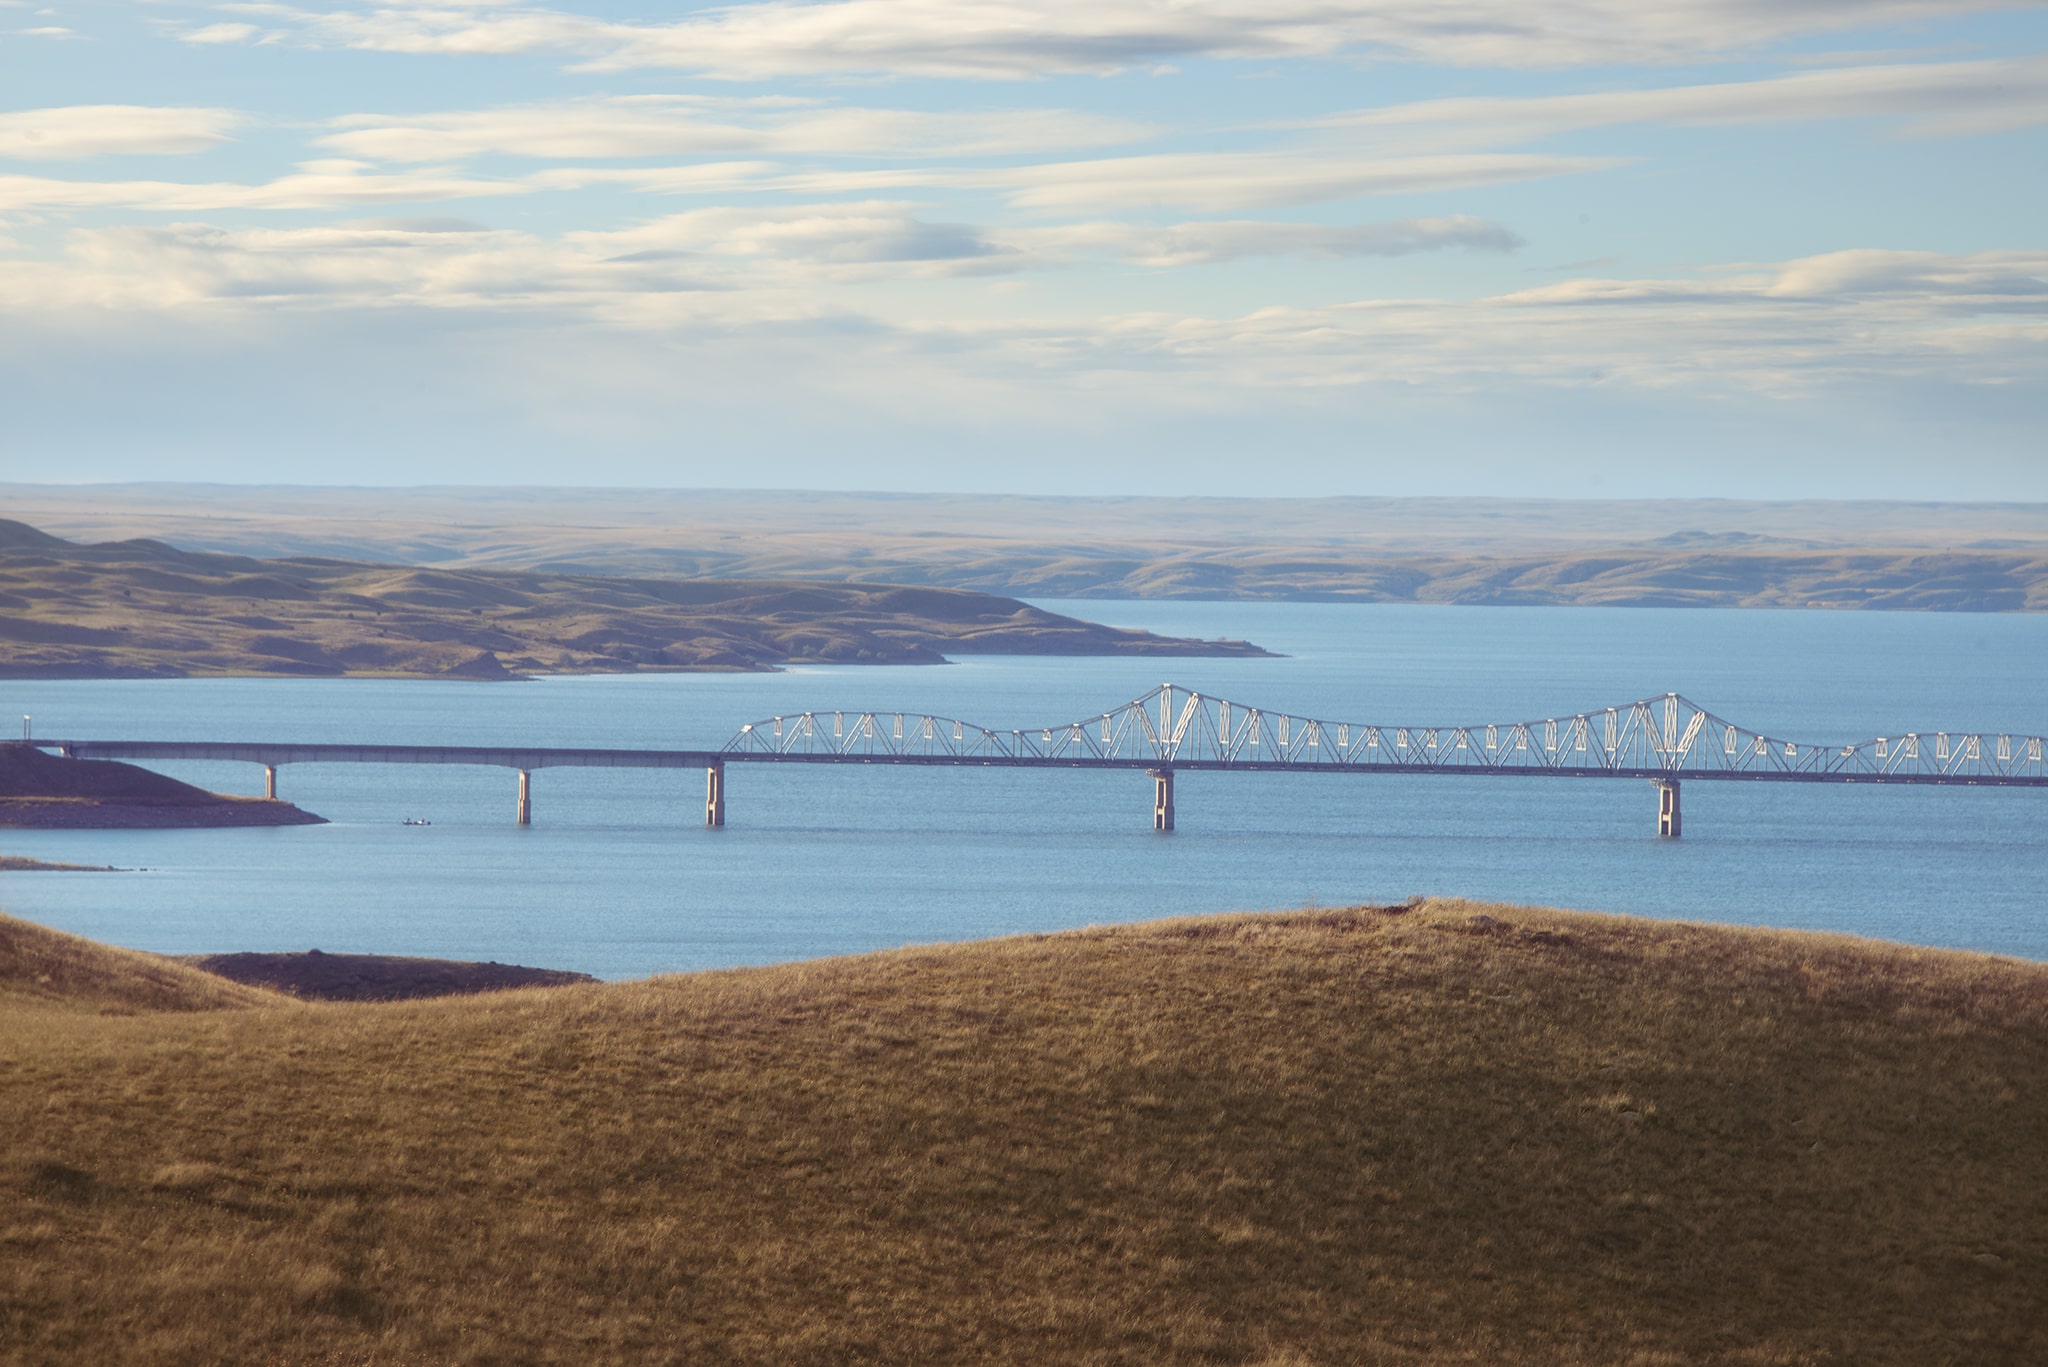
(1176, 727)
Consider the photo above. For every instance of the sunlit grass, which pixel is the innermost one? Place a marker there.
(1442, 1133)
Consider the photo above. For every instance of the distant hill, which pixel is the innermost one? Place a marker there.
(1703, 552)
(141, 608)
(1439, 1132)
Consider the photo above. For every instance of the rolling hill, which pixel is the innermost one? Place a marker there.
(140, 608)
(1429, 1133)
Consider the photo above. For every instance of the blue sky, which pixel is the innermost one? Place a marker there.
(1609, 248)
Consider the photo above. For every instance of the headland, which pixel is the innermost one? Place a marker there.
(142, 609)
(39, 790)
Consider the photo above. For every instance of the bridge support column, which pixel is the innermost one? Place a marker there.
(270, 782)
(1162, 799)
(714, 795)
(1670, 816)
(525, 798)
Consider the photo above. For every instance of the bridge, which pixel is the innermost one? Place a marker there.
(1667, 741)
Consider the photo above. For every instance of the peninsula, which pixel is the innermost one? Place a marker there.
(143, 609)
(45, 792)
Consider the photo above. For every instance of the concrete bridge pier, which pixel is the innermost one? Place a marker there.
(1670, 816)
(525, 798)
(1162, 799)
(714, 795)
(270, 782)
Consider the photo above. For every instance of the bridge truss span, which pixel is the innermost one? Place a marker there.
(1666, 738)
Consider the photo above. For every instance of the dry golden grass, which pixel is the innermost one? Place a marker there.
(1447, 1133)
(43, 970)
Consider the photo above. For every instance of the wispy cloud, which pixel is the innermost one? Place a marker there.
(221, 33)
(315, 185)
(1774, 329)
(679, 125)
(1020, 39)
(1230, 181)
(1207, 243)
(1207, 182)
(92, 130)
(1944, 99)
(1782, 331)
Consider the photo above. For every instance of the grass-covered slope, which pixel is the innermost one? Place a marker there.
(47, 970)
(142, 608)
(1448, 1133)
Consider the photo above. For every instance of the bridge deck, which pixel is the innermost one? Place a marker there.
(1667, 740)
(276, 753)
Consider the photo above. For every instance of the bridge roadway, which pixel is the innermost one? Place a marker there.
(1666, 741)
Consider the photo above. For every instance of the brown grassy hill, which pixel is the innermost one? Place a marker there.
(44, 970)
(42, 790)
(142, 608)
(1445, 1133)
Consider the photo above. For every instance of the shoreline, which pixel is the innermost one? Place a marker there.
(21, 863)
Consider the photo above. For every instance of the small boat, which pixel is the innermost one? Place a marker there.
(415, 821)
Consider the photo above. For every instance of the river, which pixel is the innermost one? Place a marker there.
(618, 877)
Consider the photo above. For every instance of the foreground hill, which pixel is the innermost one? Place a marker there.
(49, 791)
(1419, 1134)
(142, 608)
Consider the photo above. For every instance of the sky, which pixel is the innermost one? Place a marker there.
(1601, 248)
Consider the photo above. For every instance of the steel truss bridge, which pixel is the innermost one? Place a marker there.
(1666, 740)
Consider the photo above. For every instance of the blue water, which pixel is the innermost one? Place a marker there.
(618, 877)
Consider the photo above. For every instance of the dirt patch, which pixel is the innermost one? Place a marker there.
(377, 977)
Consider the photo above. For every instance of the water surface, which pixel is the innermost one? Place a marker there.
(618, 877)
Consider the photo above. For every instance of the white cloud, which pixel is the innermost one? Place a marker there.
(830, 234)
(779, 252)
(93, 130)
(1226, 181)
(1934, 99)
(1018, 39)
(1186, 244)
(1777, 330)
(1209, 182)
(674, 125)
(315, 185)
(1213, 182)
(221, 33)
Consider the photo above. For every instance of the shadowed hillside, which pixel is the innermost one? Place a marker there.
(1422, 1134)
(376, 977)
(142, 608)
(48, 791)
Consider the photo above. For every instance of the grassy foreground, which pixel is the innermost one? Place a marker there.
(1441, 1133)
